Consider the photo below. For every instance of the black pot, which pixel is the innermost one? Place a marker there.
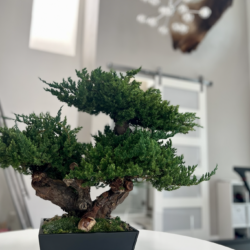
(88, 241)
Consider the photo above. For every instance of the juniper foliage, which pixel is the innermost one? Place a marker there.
(138, 155)
(49, 145)
(120, 97)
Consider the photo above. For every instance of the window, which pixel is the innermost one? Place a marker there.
(54, 26)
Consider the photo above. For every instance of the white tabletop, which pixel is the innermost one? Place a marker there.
(147, 240)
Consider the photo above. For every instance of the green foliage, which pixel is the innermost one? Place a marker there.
(121, 98)
(47, 144)
(137, 155)
(69, 225)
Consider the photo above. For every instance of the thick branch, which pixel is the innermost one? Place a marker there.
(84, 201)
(55, 191)
(116, 197)
(106, 203)
(115, 200)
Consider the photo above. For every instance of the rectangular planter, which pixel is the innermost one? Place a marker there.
(88, 241)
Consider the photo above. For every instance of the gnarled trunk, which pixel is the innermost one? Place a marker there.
(55, 191)
(63, 194)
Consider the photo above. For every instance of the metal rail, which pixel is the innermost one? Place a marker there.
(158, 72)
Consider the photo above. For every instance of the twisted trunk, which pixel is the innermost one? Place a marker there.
(55, 191)
(62, 194)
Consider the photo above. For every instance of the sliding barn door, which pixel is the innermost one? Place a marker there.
(186, 210)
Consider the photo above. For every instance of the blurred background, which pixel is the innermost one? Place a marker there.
(198, 57)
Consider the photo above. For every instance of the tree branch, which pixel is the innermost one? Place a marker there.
(55, 191)
(106, 203)
(84, 201)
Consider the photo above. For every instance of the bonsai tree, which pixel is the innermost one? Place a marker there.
(63, 169)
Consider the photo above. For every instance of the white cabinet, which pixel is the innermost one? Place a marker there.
(233, 210)
(248, 215)
(239, 218)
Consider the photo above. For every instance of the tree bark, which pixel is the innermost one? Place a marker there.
(116, 197)
(106, 203)
(115, 200)
(55, 191)
(62, 194)
(83, 201)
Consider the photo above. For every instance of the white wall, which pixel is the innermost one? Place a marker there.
(222, 57)
(8, 213)
(20, 89)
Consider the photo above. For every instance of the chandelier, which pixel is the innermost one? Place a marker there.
(168, 10)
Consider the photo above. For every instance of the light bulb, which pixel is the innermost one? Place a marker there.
(184, 29)
(175, 27)
(166, 10)
(188, 17)
(163, 30)
(154, 2)
(180, 28)
(183, 8)
(205, 12)
(191, 1)
(141, 18)
(152, 21)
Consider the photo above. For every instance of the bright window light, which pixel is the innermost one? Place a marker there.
(54, 26)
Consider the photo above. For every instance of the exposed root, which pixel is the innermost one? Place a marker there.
(86, 223)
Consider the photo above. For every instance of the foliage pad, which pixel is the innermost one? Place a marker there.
(120, 97)
(138, 155)
(47, 144)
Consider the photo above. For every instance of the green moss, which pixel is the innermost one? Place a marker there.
(60, 225)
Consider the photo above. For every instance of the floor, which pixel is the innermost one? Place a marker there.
(239, 244)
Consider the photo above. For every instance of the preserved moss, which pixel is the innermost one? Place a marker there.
(65, 225)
